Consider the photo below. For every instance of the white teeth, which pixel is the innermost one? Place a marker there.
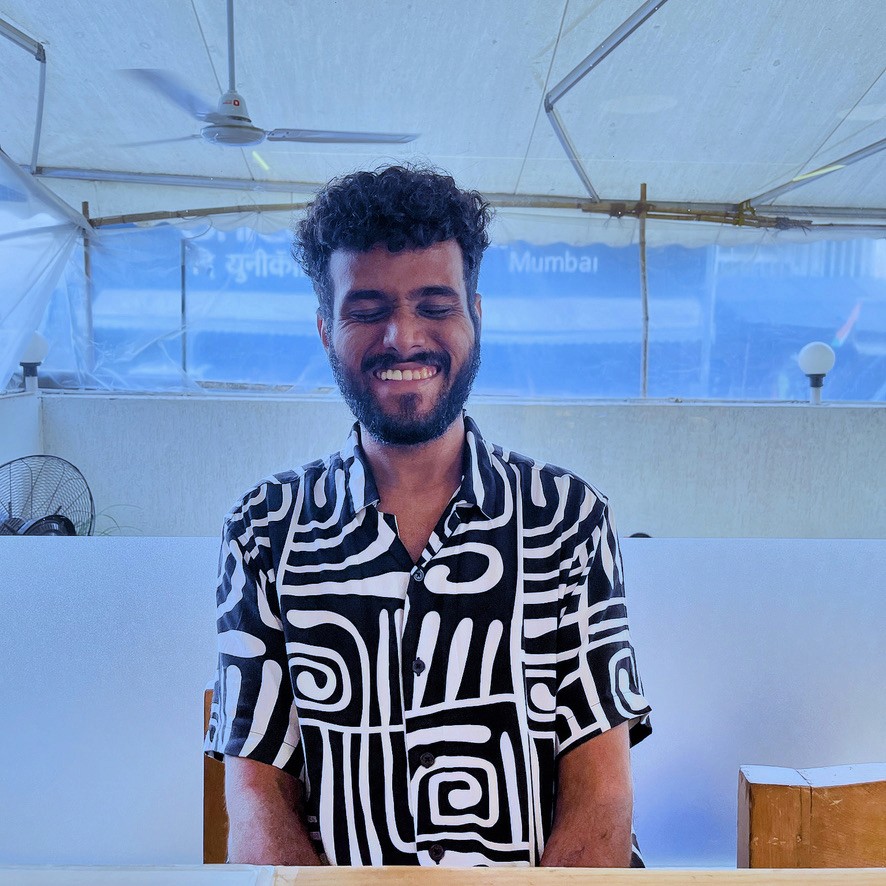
(407, 374)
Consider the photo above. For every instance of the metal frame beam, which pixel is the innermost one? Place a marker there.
(46, 194)
(804, 178)
(36, 49)
(162, 178)
(22, 40)
(571, 153)
(580, 71)
(613, 41)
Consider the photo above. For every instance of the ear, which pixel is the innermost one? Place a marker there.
(478, 306)
(323, 331)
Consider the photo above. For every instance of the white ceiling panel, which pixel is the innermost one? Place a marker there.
(711, 102)
(717, 101)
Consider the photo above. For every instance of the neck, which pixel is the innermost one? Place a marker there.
(419, 469)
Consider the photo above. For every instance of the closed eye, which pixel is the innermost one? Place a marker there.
(369, 316)
(436, 310)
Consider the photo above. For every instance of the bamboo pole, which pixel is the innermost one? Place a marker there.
(644, 298)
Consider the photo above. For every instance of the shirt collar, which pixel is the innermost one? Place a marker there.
(362, 490)
(478, 485)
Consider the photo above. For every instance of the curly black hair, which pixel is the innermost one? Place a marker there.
(402, 207)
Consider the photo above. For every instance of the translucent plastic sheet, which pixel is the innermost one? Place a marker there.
(196, 307)
(119, 326)
(172, 309)
(36, 238)
(756, 307)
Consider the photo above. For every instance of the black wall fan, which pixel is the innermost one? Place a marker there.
(44, 495)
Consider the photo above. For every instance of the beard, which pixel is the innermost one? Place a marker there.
(406, 426)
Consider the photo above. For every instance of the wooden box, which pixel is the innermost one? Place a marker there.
(833, 817)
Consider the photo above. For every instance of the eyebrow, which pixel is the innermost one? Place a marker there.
(379, 295)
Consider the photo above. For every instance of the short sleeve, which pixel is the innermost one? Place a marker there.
(598, 684)
(253, 714)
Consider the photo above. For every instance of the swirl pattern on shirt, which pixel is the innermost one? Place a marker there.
(424, 705)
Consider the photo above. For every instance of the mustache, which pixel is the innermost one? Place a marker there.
(380, 362)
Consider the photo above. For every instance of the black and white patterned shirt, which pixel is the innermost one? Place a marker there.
(424, 705)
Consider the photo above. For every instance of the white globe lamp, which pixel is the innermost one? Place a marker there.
(816, 360)
(35, 353)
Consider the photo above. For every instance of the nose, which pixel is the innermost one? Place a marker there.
(405, 333)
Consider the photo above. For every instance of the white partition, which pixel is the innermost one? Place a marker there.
(108, 644)
(20, 430)
(165, 465)
(752, 651)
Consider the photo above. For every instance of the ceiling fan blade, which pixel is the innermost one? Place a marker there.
(334, 136)
(159, 141)
(173, 89)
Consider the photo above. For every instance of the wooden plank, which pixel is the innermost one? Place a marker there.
(849, 825)
(247, 875)
(409, 876)
(773, 819)
(812, 818)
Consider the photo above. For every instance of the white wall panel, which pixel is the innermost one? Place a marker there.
(108, 645)
(20, 432)
(174, 465)
(752, 651)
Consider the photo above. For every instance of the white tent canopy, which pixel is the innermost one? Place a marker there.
(37, 234)
(710, 104)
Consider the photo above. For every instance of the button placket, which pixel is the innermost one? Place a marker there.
(417, 607)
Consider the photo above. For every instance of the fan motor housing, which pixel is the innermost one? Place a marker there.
(232, 104)
(53, 524)
(233, 134)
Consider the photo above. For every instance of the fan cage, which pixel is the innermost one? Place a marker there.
(43, 486)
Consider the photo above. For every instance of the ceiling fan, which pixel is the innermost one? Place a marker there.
(230, 124)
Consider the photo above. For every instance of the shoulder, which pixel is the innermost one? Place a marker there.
(540, 479)
(272, 499)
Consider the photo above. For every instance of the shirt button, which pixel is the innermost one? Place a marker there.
(418, 666)
(427, 759)
(436, 852)
(418, 573)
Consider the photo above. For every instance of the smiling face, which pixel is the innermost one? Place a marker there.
(402, 342)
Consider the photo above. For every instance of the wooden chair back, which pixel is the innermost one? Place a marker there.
(215, 816)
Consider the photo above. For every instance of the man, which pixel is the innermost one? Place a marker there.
(423, 645)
